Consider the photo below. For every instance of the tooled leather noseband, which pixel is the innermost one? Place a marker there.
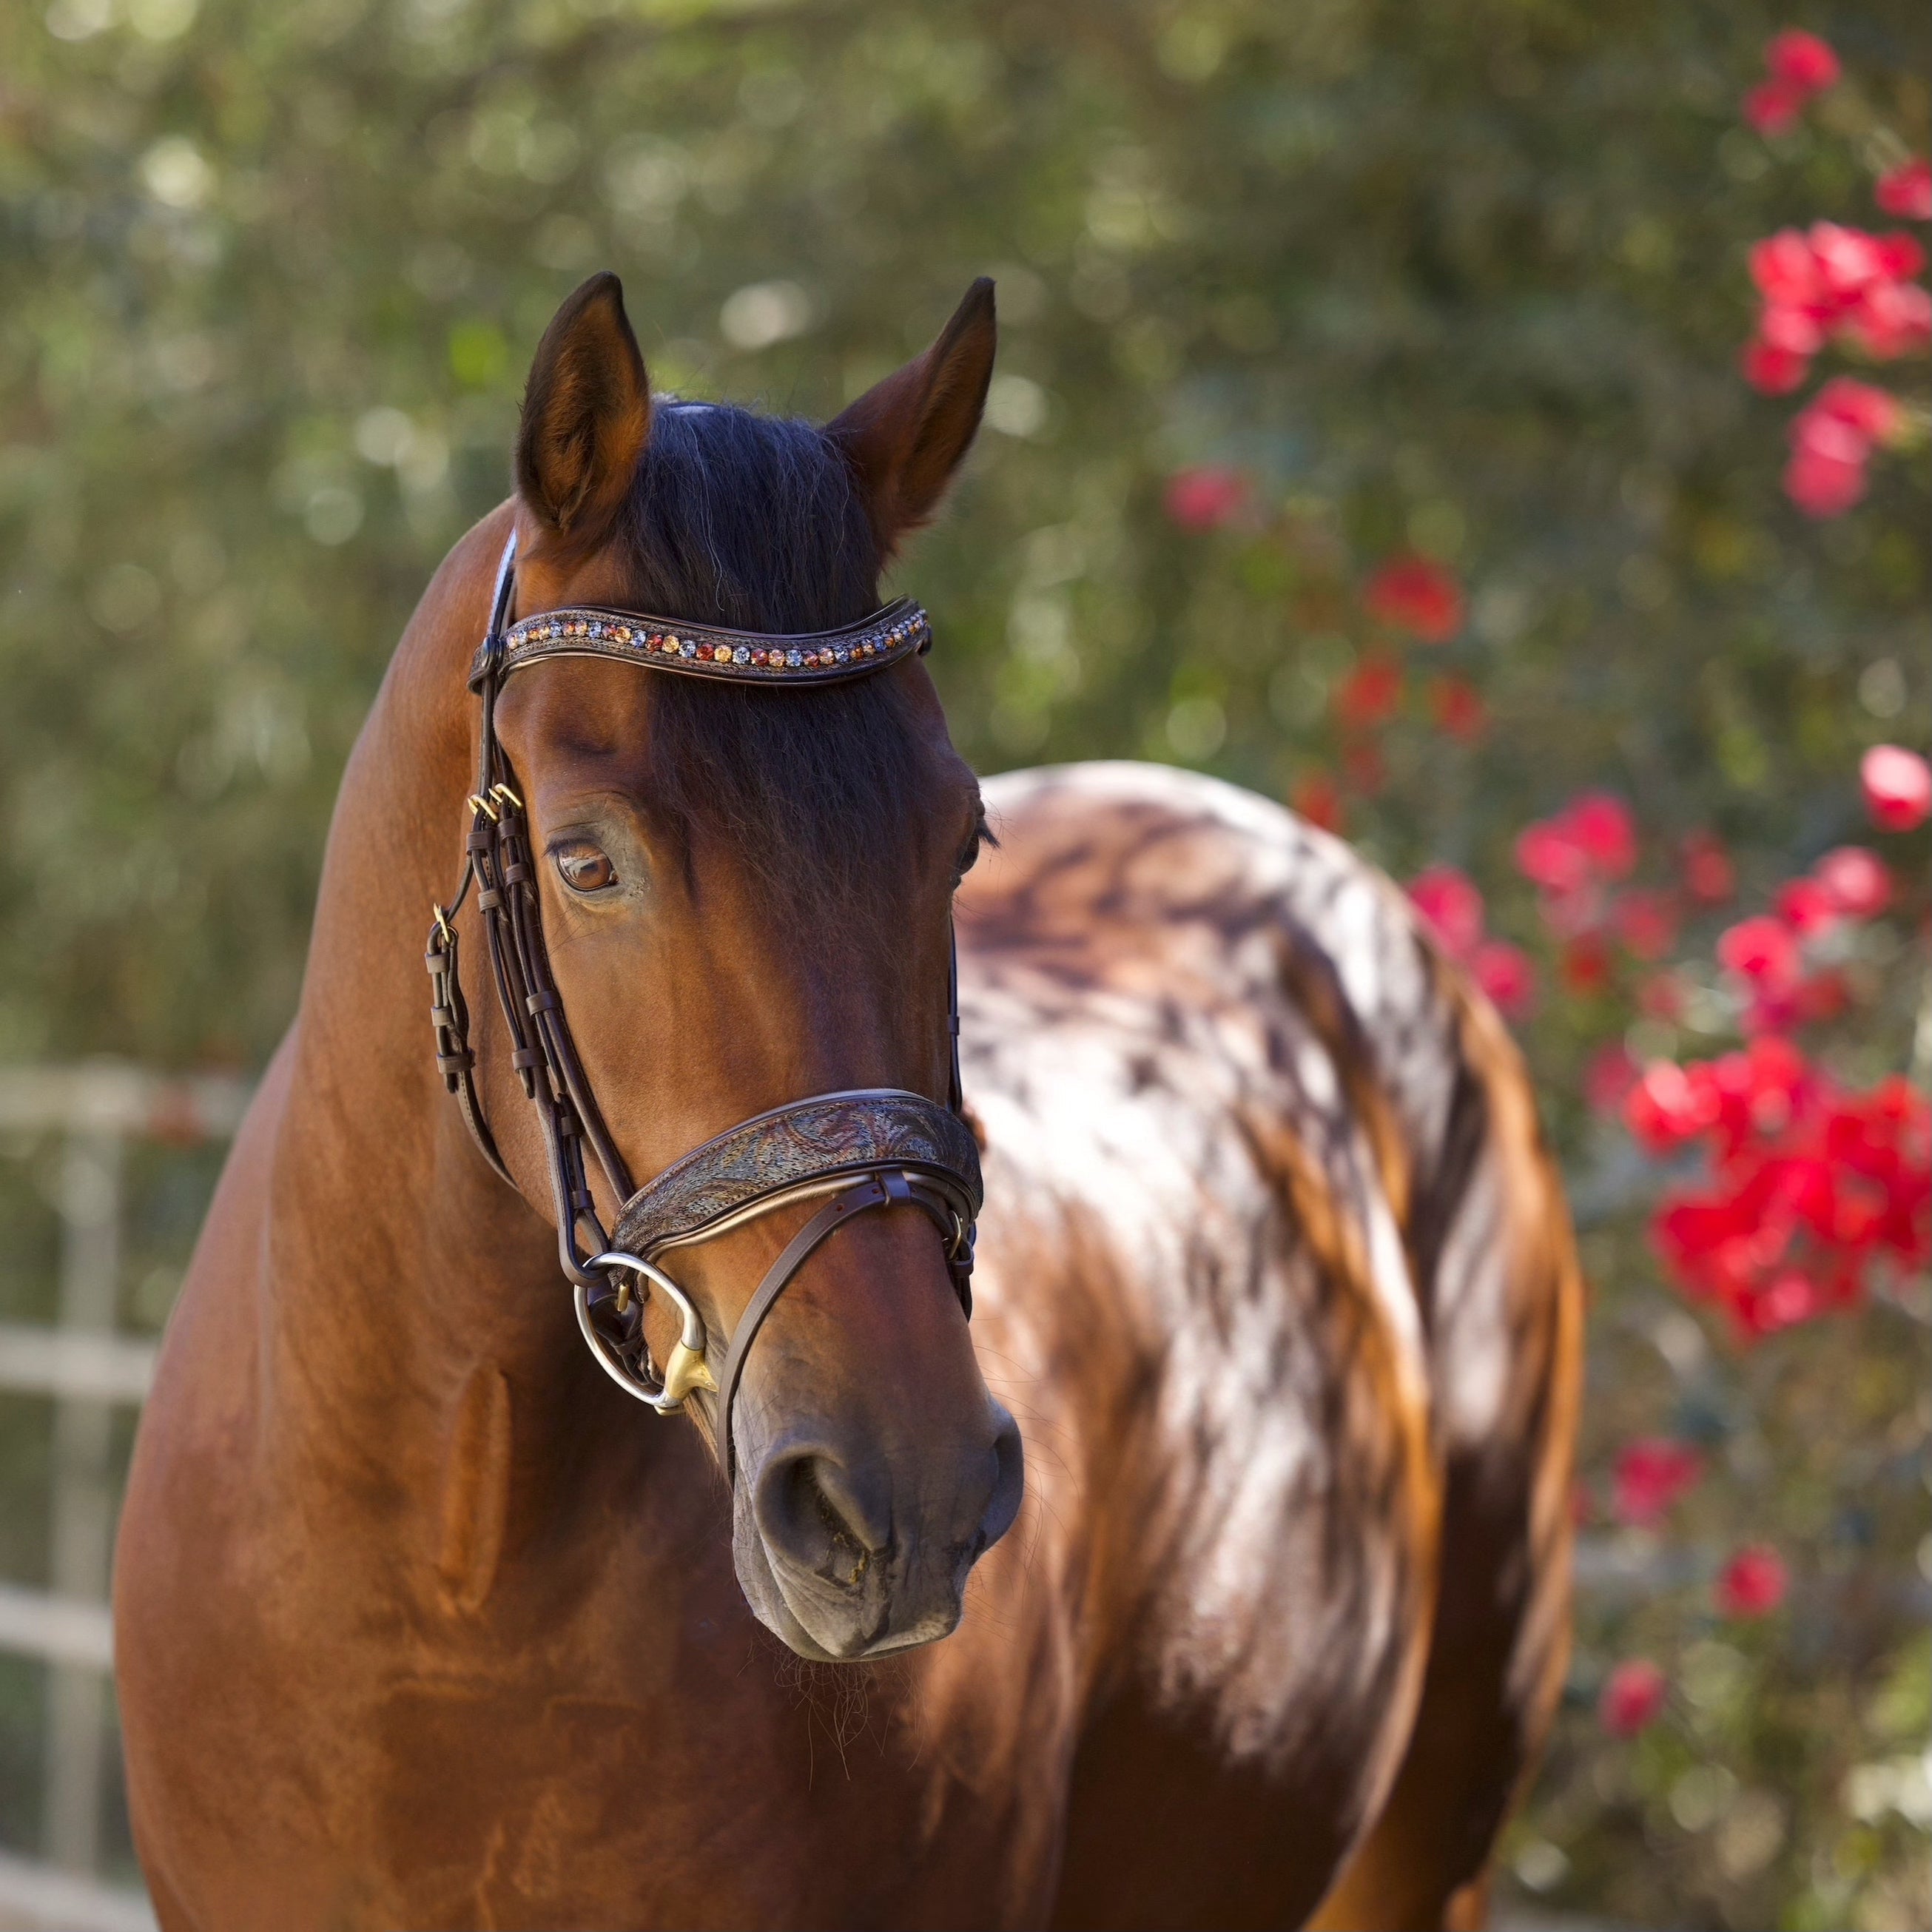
(854, 1151)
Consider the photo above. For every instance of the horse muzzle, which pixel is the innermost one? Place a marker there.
(850, 1551)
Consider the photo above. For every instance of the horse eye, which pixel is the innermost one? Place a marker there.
(585, 867)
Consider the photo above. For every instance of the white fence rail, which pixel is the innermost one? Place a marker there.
(87, 1369)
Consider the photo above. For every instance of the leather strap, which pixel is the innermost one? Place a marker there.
(860, 1130)
(449, 1015)
(877, 1190)
(898, 630)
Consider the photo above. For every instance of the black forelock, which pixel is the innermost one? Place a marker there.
(757, 522)
(748, 520)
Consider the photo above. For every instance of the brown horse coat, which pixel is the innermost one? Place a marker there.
(420, 1622)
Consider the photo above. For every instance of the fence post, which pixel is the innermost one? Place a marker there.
(82, 1516)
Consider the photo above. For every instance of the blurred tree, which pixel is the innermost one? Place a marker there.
(1460, 284)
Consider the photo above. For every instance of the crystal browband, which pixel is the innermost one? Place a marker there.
(900, 630)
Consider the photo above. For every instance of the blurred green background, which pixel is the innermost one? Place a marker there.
(1460, 278)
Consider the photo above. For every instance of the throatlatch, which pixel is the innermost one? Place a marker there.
(856, 1150)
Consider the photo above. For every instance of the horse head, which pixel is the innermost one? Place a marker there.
(746, 899)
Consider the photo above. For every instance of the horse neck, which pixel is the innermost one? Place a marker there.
(399, 1268)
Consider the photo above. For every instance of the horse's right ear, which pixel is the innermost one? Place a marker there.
(905, 437)
(586, 414)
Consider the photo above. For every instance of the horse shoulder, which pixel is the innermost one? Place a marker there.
(1233, 1398)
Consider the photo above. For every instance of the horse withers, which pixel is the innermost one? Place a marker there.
(421, 1620)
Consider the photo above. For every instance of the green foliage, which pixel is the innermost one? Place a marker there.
(1463, 279)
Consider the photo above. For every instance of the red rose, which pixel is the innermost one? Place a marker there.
(1855, 881)
(1802, 61)
(1205, 497)
(1505, 974)
(1906, 191)
(1761, 951)
(1632, 1697)
(1709, 874)
(1652, 1472)
(1370, 693)
(1450, 902)
(1417, 596)
(1753, 1583)
(1898, 788)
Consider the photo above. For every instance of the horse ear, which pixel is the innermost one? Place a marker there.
(586, 414)
(905, 436)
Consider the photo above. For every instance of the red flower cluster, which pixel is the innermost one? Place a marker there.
(1592, 840)
(1417, 596)
(1709, 877)
(1608, 1078)
(1797, 65)
(1652, 1472)
(1832, 440)
(1834, 281)
(1767, 954)
(1897, 786)
(1753, 1583)
(1205, 497)
(1577, 858)
(1810, 1185)
(1452, 904)
(1631, 1698)
(1316, 798)
(1370, 694)
(1646, 923)
(1574, 859)
(1906, 191)
(1457, 708)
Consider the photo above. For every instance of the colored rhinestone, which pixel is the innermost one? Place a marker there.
(623, 634)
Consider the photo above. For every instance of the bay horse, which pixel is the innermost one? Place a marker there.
(421, 1622)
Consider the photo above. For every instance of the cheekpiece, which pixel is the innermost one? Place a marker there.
(899, 630)
(813, 1140)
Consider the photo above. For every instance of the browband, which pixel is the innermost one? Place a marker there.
(898, 630)
(829, 1136)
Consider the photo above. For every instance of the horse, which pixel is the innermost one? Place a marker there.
(1215, 1572)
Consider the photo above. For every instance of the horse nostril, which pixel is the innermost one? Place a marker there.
(815, 1515)
(1008, 1479)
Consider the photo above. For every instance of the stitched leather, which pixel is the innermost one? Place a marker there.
(829, 1135)
(896, 630)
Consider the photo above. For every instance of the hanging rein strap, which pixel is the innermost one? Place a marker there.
(866, 1149)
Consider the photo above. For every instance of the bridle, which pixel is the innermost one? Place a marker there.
(854, 1151)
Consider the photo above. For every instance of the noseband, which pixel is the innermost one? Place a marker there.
(852, 1151)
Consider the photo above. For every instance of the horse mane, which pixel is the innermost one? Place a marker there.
(757, 522)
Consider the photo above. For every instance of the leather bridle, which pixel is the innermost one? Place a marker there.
(852, 1151)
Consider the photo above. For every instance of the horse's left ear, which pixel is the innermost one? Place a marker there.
(905, 436)
(586, 414)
